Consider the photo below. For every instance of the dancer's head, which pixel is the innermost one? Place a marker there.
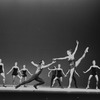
(41, 62)
(59, 65)
(69, 52)
(16, 63)
(0, 60)
(24, 66)
(93, 62)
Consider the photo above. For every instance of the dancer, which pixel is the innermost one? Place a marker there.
(93, 69)
(2, 72)
(73, 64)
(59, 75)
(15, 72)
(36, 77)
(23, 72)
(53, 74)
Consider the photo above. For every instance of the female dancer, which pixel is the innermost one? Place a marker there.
(2, 72)
(36, 77)
(93, 69)
(15, 70)
(73, 64)
(23, 72)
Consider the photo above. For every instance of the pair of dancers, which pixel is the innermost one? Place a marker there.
(16, 71)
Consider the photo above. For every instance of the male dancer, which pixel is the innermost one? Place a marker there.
(15, 72)
(59, 75)
(93, 69)
(73, 64)
(53, 74)
(2, 72)
(23, 72)
(36, 77)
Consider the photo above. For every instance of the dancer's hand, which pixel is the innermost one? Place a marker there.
(54, 59)
(77, 41)
(84, 72)
(86, 49)
(53, 62)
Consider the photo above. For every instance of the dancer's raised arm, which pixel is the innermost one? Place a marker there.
(36, 65)
(77, 43)
(48, 64)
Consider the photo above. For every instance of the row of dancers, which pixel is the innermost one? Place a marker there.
(57, 72)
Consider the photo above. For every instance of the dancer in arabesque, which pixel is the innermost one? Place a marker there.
(72, 63)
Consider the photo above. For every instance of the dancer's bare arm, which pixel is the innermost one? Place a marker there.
(77, 43)
(87, 70)
(36, 65)
(10, 70)
(48, 64)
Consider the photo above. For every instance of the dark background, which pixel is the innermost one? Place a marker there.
(44, 29)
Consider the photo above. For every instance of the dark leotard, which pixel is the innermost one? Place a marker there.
(71, 63)
(1, 71)
(15, 71)
(59, 73)
(24, 73)
(94, 71)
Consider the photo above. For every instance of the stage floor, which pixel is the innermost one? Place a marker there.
(30, 88)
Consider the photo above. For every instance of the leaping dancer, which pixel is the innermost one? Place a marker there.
(15, 73)
(35, 76)
(24, 72)
(93, 69)
(73, 64)
(2, 72)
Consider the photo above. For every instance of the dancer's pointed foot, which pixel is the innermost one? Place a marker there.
(4, 85)
(35, 86)
(17, 86)
(87, 87)
(97, 88)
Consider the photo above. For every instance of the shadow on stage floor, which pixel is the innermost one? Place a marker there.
(48, 96)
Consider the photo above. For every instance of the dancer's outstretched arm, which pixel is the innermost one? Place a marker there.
(67, 73)
(36, 65)
(48, 64)
(79, 60)
(50, 69)
(76, 48)
(29, 72)
(87, 70)
(10, 70)
(61, 58)
(77, 73)
(98, 67)
(63, 73)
